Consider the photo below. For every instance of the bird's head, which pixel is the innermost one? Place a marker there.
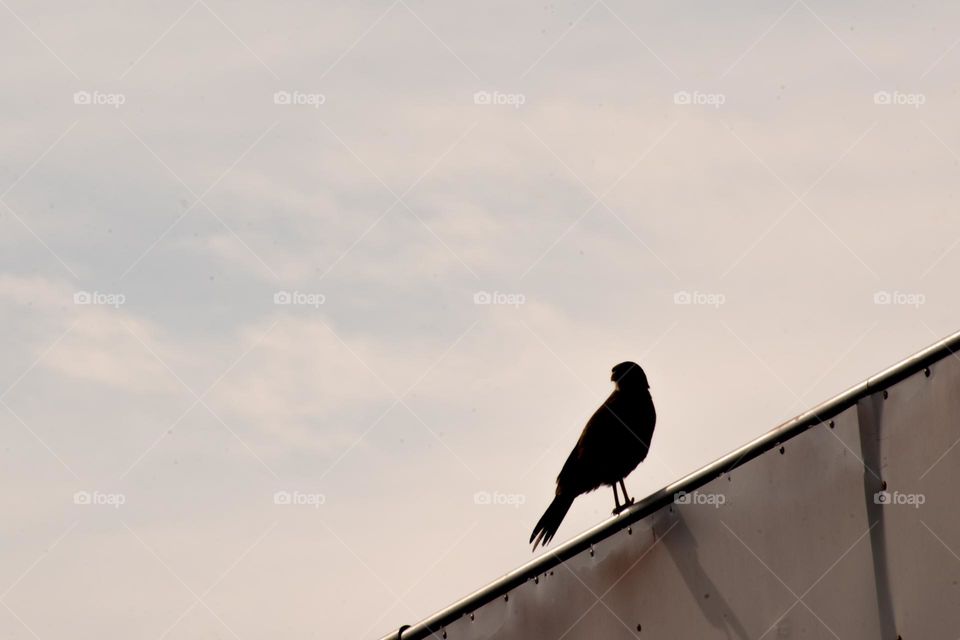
(629, 376)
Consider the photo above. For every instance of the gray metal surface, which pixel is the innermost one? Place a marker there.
(913, 434)
(841, 523)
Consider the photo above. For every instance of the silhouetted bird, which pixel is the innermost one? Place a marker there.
(615, 440)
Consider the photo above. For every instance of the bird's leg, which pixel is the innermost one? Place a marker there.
(616, 500)
(627, 500)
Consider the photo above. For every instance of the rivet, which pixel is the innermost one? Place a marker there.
(506, 597)
(591, 552)
(536, 579)
(832, 424)
(444, 633)
(638, 628)
(782, 449)
(629, 531)
(926, 371)
(886, 394)
(883, 485)
(472, 617)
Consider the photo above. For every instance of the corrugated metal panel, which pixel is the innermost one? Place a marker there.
(824, 528)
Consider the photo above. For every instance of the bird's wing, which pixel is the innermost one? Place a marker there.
(578, 471)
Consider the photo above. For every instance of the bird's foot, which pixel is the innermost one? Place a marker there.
(623, 507)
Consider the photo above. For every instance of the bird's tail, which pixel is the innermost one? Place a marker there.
(550, 520)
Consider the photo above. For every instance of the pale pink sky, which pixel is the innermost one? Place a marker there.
(185, 163)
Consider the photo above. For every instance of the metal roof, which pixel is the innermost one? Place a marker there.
(665, 496)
